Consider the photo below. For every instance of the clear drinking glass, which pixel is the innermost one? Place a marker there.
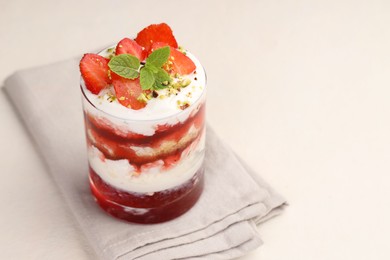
(150, 177)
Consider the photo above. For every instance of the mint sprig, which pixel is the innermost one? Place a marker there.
(125, 65)
(146, 78)
(151, 75)
(158, 57)
(162, 79)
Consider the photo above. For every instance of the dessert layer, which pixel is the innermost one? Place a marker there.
(166, 144)
(165, 109)
(165, 149)
(151, 177)
(153, 208)
(104, 127)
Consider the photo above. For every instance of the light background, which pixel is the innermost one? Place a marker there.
(300, 89)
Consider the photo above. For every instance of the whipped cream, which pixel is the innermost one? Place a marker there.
(158, 111)
(121, 174)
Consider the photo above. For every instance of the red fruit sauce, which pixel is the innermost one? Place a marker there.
(116, 144)
(147, 208)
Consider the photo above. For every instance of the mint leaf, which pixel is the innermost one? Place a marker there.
(146, 78)
(152, 76)
(162, 79)
(162, 76)
(159, 57)
(151, 67)
(125, 65)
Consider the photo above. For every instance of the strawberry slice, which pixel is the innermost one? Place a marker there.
(127, 91)
(129, 46)
(180, 62)
(156, 33)
(94, 70)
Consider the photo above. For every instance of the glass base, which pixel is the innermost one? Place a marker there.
(147, 208)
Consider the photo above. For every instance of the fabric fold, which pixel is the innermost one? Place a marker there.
(222, 224)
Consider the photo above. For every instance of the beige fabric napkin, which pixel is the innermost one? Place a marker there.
(222, 225)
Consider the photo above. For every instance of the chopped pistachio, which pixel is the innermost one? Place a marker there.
(142, 97)
(172, 91)
(176, 84)
(168, 66)
(111, 52)
(185, 83)
(111, 98)
(182, 50)
(183, 104)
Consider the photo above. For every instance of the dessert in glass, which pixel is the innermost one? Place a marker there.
(144, 111)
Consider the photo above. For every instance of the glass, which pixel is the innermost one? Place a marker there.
(146, 178)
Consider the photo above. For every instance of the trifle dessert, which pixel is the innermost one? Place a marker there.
(144, 110)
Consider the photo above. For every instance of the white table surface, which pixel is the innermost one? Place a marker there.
(299, 88)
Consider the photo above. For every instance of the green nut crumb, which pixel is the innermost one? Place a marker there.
(142, 97)
(111, 98)
(185, 83)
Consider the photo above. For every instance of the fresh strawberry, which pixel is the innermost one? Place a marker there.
(156, 33)
(180, 62)
(94, 70)
(129, 46)
(127, 91)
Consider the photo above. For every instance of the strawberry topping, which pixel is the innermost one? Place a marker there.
(156, 33)
(98, 75)
(94, 70)
(127, 91)
(180, 62)
(129, 46)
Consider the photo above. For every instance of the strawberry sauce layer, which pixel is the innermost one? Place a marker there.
(147, 208)
(172, 145)
(167, 144)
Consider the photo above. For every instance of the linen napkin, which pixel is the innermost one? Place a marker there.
(222, 224)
